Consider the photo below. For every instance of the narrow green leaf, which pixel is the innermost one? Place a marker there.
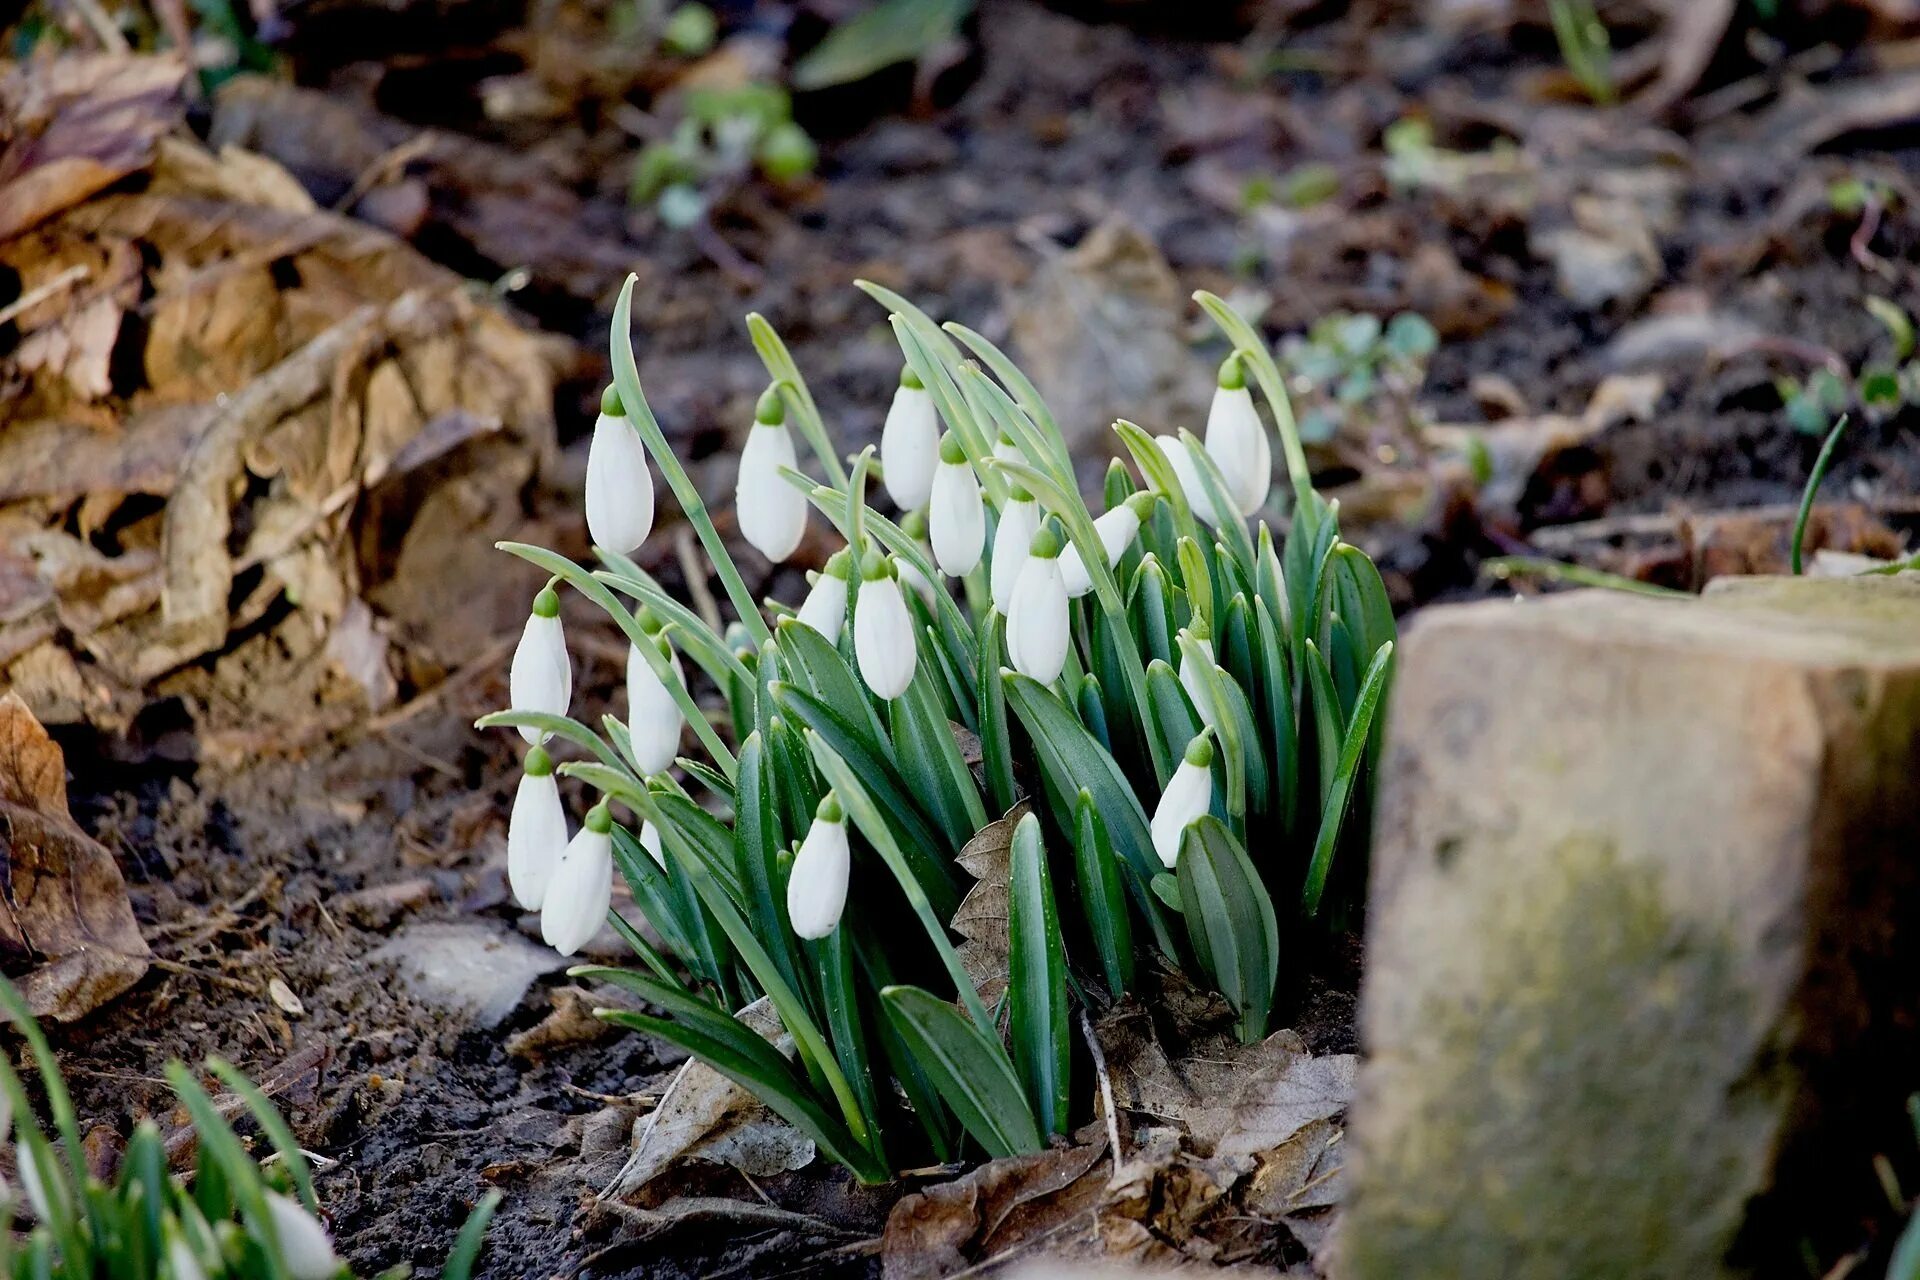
(969, 1068)
(1102, 895)
(472, 1238)
(1230, 921)
(1037, 980)
(1333, 811)
(996, 749)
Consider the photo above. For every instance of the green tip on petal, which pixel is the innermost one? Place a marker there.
(547, 603)
(600, 818)
(876, 568)
(1233, 373)
(914, 523)
(1200, 752)
(840, 564)
(649, 620)
(610, 403)
(1142, 504)
(771, 411)
(830, 810)
(1016, 494)
(1047, 543)
(1199, 629)
(952, 452)
(910, 379)
(538, 763)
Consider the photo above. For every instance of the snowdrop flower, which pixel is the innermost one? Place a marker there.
(38, 1193)
(619, 486)
(653, 717)
(1188, 796)
(1007, 450)
(1019, 521)
(541, 678)
(650, 841)
(581, 891)
(536, 831)
(883, 632)
(1193, 678)
(182, 1264)
(1117, 529)
(303, 1241)
(910, 444)
(914, 525)
(817, 887)
(825, 608)
(956, 514)
(1037, 631)
(772, 513)
(1237, 441)
(1175, 452)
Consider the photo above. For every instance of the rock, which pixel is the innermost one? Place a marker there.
(468, 967)
(1642, 996)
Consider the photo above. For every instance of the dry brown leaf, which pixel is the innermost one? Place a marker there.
(982, 918)
(67, 932)
(1043, 1203)
(1691, 37)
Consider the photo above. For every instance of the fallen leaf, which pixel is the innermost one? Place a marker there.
(1040, 1203)
(982, 918)
(1691, 36)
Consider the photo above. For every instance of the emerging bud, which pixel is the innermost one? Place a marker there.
(619, 486)
(1184, 468)
(304, 1246)
(536, 831)
(910, 444)
(883, 633)
(825, 608)
(581, 891)
(1188, 796)
(541, 678)
(956, 514)
(817, 886)
(1037, 626)
(1117, 529)
(654, 720)
(772, 513)
(1018, 522)
(1237, 441)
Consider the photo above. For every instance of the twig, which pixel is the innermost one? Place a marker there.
(101, 25)
(1106, 1088)
(41, 292)
(487, 659)
(395, 157)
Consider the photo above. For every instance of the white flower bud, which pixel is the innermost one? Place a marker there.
(536, 831)
(619, 486)
(1184, 468)
(772, 513)
(817, 888)
(654, 720)
(1117, 529)
(1192, 679)
(956, 513)
(1019, 519)
(1237, 440)
(541, 678)
(910, 444)
(825, 608)
(581, 891)
(1037, 629)
(39, 1194)
(304, 1246)
(883, 633)
(1188, 796)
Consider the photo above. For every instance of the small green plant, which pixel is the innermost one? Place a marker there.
(725, 136)
(1586, 48)
(1882, 387)
(232, 1219)
(1352, 369)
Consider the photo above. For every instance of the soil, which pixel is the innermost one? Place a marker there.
(300, 863)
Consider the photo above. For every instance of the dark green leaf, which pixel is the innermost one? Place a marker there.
(969, 1068)
(1102, 895)
(1230, 921)
(1037, 980)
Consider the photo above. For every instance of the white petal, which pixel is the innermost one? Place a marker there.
(817, 888)
(650, 841)
(825, 608)
(956, 519)
(1237, 442)
(1188, 796)
(1018, 523)
(181, 1261)
(579, 894)
(910, 448)
(536, 837)
(772, 513)
(1189, 475)
(31, 1182)
(1037, 633)
(304, 1245)
(653, 718)
(541, 678)
(619, 486)
(1117, 529)
(1190, 680)
(919, 581)
(883, 638)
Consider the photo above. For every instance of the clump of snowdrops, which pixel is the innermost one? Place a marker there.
(1190, 706)
(232, 1219)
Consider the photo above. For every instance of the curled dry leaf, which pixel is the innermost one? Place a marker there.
(1045, 1203)
(982, 918)
(67, 932)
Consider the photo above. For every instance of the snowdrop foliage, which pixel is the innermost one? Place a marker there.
(542, 675)
(817, 889)
(619, 486)
(910, 444)
(771, 512)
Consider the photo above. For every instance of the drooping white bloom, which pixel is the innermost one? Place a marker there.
(1237, 440)
(581, 891)
(1007, 449)
(303, 1241)
(1184, 468)
(883, 632)
(817, 887)
(825, 608)
(921, 584)
(1037, 628)
(1019, 521)
(1117, 529)
(956, 513)
(619, 486)
(38, 1193)
(1193, 676)
(650, 841)
(182, 1264)
(1188, 796)
(536, 831)
(541, 678)
(910, 444)
(772, 514)
(654, 719)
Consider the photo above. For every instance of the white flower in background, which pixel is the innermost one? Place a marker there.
(1019, 521)
(883, 632)
(536, 831)
(541, 678)
(1037, 630)
(581, 891)
(182, 1264)
(1193, 677)
(912, 577)
(1184, 468)
(910, 444)
(1188, 796)
(303, 1241)
(36, 1188)
(825, 608)
(650, 841)
(817, 887)
(654, 720)
(1237, 440)
(1117, 529)
(956, 513)
(619, 486)
(772, 514)
(1006, 449)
